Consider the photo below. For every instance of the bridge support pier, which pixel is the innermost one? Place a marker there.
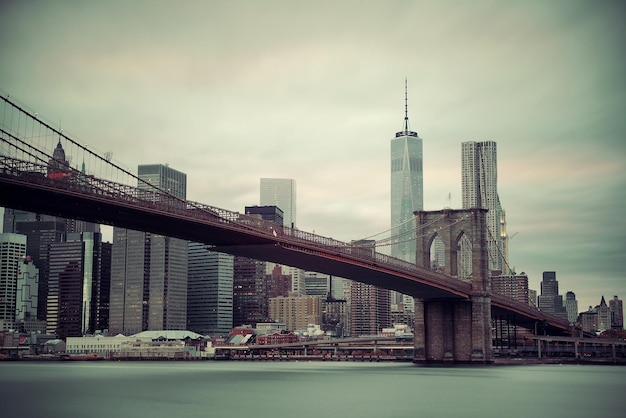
(454, 330)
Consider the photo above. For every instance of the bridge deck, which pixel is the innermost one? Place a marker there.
(239, 235)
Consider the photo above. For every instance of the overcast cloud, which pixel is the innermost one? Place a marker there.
(229, 92)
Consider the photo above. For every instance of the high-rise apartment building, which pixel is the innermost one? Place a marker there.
(149, 271)
(12, 253)
(514, 286)
(209, 291)
(480, 190)
(277, 283)
(280, 193)
(371, 306)
(317, 284)
(617, 313)
(370, 309)
(407, 188)
(296, 311)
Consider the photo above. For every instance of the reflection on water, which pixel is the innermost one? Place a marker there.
(306, 389)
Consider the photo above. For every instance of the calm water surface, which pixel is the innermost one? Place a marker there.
(306, 389)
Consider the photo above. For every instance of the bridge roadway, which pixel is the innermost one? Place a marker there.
(25, 186)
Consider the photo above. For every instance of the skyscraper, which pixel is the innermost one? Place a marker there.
(514, 286)
(281, 193)
(571, 306)
(250, 304)
(149, 271)
(604, 315)
(369, 309)
(209, 291)
(549, 300)
(76, 285)
(27, 292)
(407, 187)
(40, 230)
(480, 190)
(163, 177)
(617, 313)
(250, 277)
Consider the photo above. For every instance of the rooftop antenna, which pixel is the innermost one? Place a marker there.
(406, 106)
(405, 131)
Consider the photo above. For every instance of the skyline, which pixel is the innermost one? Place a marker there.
(230, 94)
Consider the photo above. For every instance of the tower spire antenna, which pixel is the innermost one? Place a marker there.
(406, 106)
(405, 129)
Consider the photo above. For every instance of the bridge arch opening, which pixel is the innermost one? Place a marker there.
(437, 253)
(463, 256)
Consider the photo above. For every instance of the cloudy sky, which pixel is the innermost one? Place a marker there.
(230, 92)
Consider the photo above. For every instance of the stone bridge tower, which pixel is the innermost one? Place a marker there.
(454, 330)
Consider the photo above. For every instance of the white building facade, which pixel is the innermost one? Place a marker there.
(12, 253)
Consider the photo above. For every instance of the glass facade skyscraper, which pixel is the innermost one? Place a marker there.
(78, 291)
(281, 193)
(149, 271)
(407, 189)
(163, 177)
(210, 291)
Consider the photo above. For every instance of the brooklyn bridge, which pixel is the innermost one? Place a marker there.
(453, 318)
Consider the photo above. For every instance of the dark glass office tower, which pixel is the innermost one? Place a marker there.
(76, 284)
(149, 271)
(209, 291)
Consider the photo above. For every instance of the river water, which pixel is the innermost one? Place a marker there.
(307, 389)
